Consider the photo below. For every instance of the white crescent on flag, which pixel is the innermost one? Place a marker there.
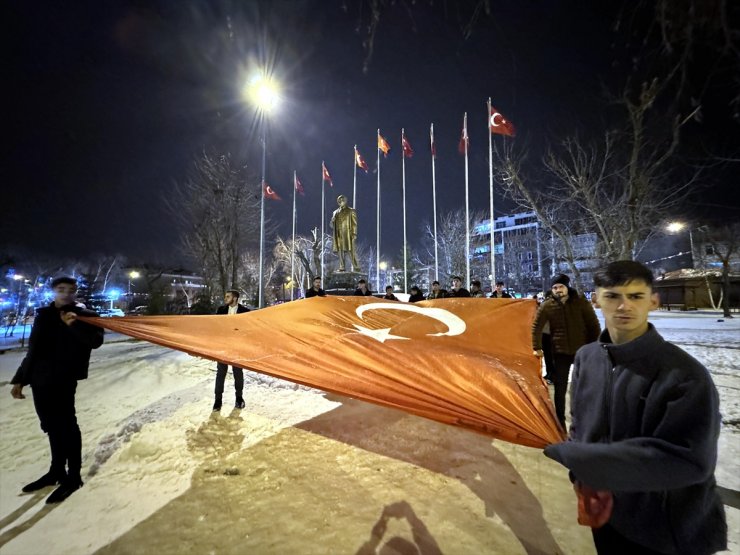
(455, 325)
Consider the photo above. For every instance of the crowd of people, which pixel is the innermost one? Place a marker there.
(644, 415)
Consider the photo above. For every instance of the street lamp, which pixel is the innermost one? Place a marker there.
(675, 227)
(131, 275)
(383, 266)
(263, 92)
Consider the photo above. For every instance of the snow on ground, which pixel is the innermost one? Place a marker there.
(300, 471)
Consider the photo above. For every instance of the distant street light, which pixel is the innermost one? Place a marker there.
(675, 227)
(263, 92)
(132, 275)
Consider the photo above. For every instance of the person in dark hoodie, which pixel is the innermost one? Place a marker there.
(645, 422)
(58, 355)
(416, 294)
(573, 323)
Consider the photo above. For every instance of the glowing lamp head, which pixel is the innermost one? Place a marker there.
(263, 92)
(674, 227)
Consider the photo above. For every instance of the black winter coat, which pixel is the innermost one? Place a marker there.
(224, 309)
(58, 353)
(645, 423)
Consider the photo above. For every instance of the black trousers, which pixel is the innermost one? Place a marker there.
(221, 370)
(547, 355)
(55, 407)
(561, 369)
(610, 542)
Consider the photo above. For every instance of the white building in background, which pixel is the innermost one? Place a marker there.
(517, 247)
(526, 255)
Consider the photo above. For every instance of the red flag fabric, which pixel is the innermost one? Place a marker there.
(383, 145)
(432, 358)
(269, 192)
(360, 161)
(408, 152)
(431, 141)
(464, 141)
(498, 124)
(298, 186)
(326, 175)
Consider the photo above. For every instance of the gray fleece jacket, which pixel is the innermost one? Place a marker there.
(645, 424)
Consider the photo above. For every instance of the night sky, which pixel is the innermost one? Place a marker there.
(111, 101)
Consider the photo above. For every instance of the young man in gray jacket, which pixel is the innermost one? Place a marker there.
(643, 438)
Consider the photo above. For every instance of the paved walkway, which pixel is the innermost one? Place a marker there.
(17, 340)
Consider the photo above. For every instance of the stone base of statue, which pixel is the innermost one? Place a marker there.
(343, 283)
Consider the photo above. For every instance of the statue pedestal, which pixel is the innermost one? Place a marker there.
(344, 283)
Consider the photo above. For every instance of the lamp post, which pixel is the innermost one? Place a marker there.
(384, 267)
(263, 93)
(132, 275)
(675, 227)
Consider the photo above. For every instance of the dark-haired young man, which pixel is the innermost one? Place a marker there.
(362, 290)
(644, 429)
(573, 323)
(416, 294)
(58, 355)
(231, 306)
(437, 292)
(457, 289)
(499, 292)
(476, 290)
(316, 290)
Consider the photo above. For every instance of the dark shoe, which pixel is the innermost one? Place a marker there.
(239, 403)
(217, 406)
(48, 479)
(68, 487)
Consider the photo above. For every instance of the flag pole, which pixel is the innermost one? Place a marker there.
(377, 226)
(292, 245)
(490, 192)
(354, 182)
(262, 215)
(434, 202)
(403, 187)
(323, 219)
(467, 206)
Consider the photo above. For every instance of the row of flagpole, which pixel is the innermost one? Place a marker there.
(497, 124)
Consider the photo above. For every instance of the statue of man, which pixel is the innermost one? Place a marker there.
(344, 223)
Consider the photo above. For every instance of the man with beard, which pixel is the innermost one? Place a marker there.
(573, 323)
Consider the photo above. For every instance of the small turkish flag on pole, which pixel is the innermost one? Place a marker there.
(298, 185)
(360, 161)
(326, 175)
(269, 192)
(408, 152)
(498, 124)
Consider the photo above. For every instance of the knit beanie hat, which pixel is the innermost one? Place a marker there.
(561, 279)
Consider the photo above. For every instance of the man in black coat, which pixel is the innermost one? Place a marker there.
(362, 290)
(231, 306)
(316, 290)
(457, 289)
(500, 292)
(58, 355)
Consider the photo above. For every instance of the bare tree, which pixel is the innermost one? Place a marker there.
(451, 244)
(725, 244)
(218, 209)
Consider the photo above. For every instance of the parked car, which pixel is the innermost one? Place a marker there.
(138, 311)
(110, 312)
